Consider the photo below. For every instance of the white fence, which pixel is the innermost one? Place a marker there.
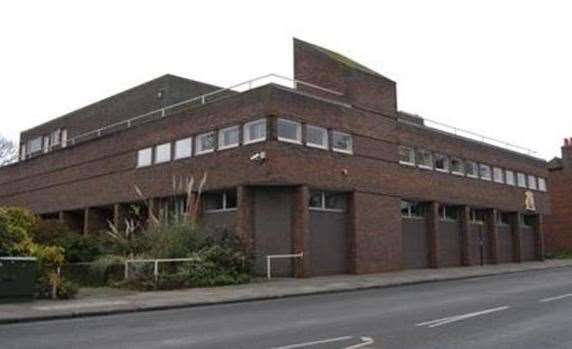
(156, 263)
(269, 259)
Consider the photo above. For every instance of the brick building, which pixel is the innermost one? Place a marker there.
(325, 165)
(559, 222)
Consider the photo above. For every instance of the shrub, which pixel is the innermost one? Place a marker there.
(15, 224)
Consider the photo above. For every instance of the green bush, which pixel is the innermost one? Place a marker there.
(15, 225)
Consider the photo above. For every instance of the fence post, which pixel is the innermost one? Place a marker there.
(156, 270)
(268, 276)
(126, 274)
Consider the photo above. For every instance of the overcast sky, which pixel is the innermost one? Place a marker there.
(502, 68)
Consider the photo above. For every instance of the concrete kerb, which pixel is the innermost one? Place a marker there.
(184, 304)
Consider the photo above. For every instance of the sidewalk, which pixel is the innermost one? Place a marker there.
(105, 301)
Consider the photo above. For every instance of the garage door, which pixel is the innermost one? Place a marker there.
(505, 243)
(449, 243)
(328, 243)
(414, 243)
(528, 244)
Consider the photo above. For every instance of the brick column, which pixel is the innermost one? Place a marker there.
(433, 234)
(465, 221)
(301, 231)
(516, 237)
(539, 232)
(245, 218)
(351, 234)
(492, 235)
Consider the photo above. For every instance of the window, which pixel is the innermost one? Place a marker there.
(457, 167)
(406, 155)
(184, 148)
(441, 163)
(220, 201)
(327, 201)
(521, 178)
(228, 137)
(289, 131)
(477, 216)
(144, 157)
(532, 182)
(503, 218)
(46, 146)
(485, 172)
(64, 138)
(205, 143)
(509, 177)
(55, 137)
(424, 159)
(35, 145)
(528, 220)
(316, 137)
(342, 142)
(412, 209)
(498, 175)
(472, 169)
(541, 184)
(23, 152)
(448, 213)
(162, 153)
(255, 131)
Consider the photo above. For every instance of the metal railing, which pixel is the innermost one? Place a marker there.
(473, 135)
(269, 259)
(155, 264)
(197, 101)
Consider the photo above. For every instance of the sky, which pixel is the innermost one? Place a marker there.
(500, 68)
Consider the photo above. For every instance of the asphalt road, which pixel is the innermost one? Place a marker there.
(524, 310)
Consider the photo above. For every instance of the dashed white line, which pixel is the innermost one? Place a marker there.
(450, 319)
(550, 299)
(309, 344)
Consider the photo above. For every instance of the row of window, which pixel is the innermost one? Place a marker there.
(44, 144)
(316, 137)
(448, 164)
(254, 131)
(415, 209)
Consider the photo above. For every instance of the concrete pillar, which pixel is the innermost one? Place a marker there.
(433, 220)
(515, 224)
(466, 248)
(120, 214)
(301, 231)
(492, 235)
(539, 232)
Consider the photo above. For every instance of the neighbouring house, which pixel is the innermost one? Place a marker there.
(323, 164)
(559, 222)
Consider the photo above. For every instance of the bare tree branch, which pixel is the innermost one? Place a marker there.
(8, 152)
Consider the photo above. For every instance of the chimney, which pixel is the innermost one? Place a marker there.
(567, 151)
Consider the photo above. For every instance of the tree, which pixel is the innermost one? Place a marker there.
(8, 151)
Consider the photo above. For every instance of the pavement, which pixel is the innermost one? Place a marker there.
(529, 309)
(105, 301)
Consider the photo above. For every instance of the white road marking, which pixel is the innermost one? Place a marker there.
(365, 341)
(450, 319)
(308, 344)
(550, 299)
(79, 305)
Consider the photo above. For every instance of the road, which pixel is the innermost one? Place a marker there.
(524, 310)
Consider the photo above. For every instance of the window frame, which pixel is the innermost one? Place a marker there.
(410, 151)
(519, 176)
(474, 166)
(417, 158)
(502, 175)
(445, 159)
(490, 174)
(198, 144)
(461, 161)
(512, 176)
(340, 150)
(225, 207)
(156, 153)
(221, 132)
(315, 145)
(532, 182)
(296, 124)
(444, 208)
(410, 214)
(246, 131)
(473, 216)
(323, 200)
(190, 150)
(542, 185)
(144, 151)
